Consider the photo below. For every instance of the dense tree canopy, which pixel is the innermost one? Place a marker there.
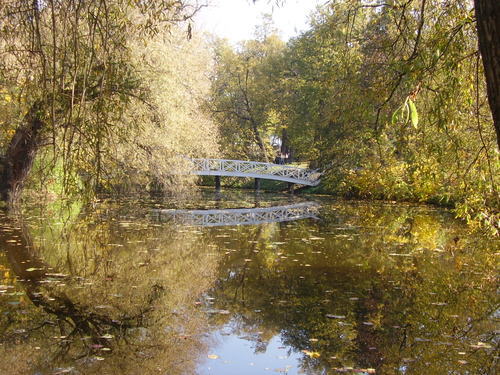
(244, 100)
(389, 99)
(74, 75)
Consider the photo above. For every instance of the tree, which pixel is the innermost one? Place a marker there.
(173, 123)
(242, 100)
(67, 64)
(488, 30)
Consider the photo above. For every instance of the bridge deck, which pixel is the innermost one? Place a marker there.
(253, 169)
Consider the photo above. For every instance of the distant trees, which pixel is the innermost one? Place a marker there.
(242, 100)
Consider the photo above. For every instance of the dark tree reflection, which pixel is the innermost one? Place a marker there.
(111, 300)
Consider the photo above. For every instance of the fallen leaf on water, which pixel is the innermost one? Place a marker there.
(213, 356)
(481, 345)
(32, 269)
(63, 370)
(335, 316)
(399, 255)
(55, 274)
(311, 354)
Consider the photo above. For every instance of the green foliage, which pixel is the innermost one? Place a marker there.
(243, 100)
(390, 101)
(84, 64)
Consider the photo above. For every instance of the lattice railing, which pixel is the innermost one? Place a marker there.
(242, 216)
(252, 168)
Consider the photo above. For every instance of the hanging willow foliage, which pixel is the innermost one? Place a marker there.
(68, 78)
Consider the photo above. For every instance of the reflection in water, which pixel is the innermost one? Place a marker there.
(378, 289)
(239, 216)
(114, 299)
(370, 288)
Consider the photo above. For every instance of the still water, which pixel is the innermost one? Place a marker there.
(318, 286)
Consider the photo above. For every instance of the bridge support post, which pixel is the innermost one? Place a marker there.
(291, 187)
(217, 183)
(257, 184)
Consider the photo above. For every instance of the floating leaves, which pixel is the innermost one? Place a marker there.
(331, 316)
(59, 371)
(33, 269)
(217, 311)
(311, 354)
(481, 345)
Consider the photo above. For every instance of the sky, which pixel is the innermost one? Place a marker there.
(236, 20)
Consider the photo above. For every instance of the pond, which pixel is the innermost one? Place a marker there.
(284, 284)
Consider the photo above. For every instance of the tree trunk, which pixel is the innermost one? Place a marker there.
(20, 154)
(488, 30)
(285, 148)
(259, 140)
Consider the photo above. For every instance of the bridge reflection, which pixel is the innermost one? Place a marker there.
(238, 216)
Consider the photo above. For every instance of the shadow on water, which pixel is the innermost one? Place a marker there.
(368, 288)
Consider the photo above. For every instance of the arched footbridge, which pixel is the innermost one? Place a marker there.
(257, 170)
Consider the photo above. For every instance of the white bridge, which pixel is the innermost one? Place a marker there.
(253, 169)
(238, 216)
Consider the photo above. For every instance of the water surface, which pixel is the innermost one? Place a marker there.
(356, 288)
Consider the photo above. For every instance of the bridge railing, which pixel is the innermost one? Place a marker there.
(256, 168)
